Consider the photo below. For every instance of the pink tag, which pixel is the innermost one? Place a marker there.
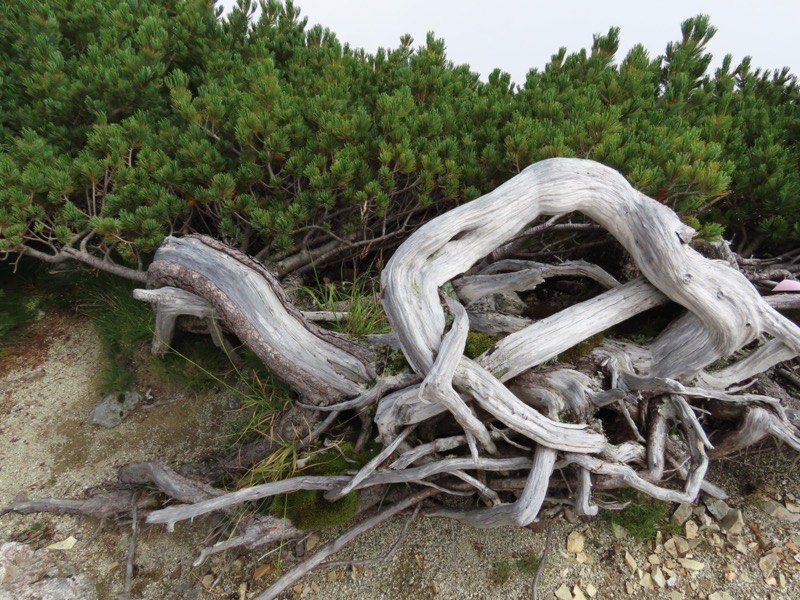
(787, 285)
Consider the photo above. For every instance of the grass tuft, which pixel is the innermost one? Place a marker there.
(192, 364)
(308, 509)
(501, 572)
(359, 298)
(122, 323)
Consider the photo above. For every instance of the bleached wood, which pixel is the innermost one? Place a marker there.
(492, 323)
(549, 337)
(632, 479)
(648, 393)
(369, 468)
(726, 311)
(583, 499)
(317, 363)
(259, 531)
(437, 386)
(522, 512)
(174, 514)
(523, 275)
(169, 303)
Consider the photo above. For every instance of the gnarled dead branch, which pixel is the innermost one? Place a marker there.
(625, 414)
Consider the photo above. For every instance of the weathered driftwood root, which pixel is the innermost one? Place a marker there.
(647, 416)
(505, 409)
(103, 506)
(255, 532)
(172, 484)
(317, 363)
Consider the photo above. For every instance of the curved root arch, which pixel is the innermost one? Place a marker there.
(730, 310)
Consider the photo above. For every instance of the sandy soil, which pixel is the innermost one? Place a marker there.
(48, 449)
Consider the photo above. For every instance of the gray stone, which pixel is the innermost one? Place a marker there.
(28, 574)
(681, 514)
(113, 408)
(777, 510)
(733, 522)
(767, 563)
(718, 508)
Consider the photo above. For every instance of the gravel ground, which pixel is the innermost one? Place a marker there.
(48, 449)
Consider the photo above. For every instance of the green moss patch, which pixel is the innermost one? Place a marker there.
(308, 509)
(478, 343)
(582, 349)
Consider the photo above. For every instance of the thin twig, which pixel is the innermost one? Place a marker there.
(381, 559)
(131, 546)
(166, 402)
(314, 561)
(24, 378)
(540, 569)
(320, 429)
(789, 376)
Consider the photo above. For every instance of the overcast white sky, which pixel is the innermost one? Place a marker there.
(517, 35)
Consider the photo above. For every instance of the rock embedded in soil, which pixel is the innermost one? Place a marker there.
(691, 530)
(113, 408)
(718, 508)
(28, 574)
(691, 565)
(658, 576)
(630, 561)
(676, 547)
(563, 593)
(575, 542)
(647, 582)
(577, 593)
(733, 522)
(767, 563)
(778, 511)
(681, 514)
